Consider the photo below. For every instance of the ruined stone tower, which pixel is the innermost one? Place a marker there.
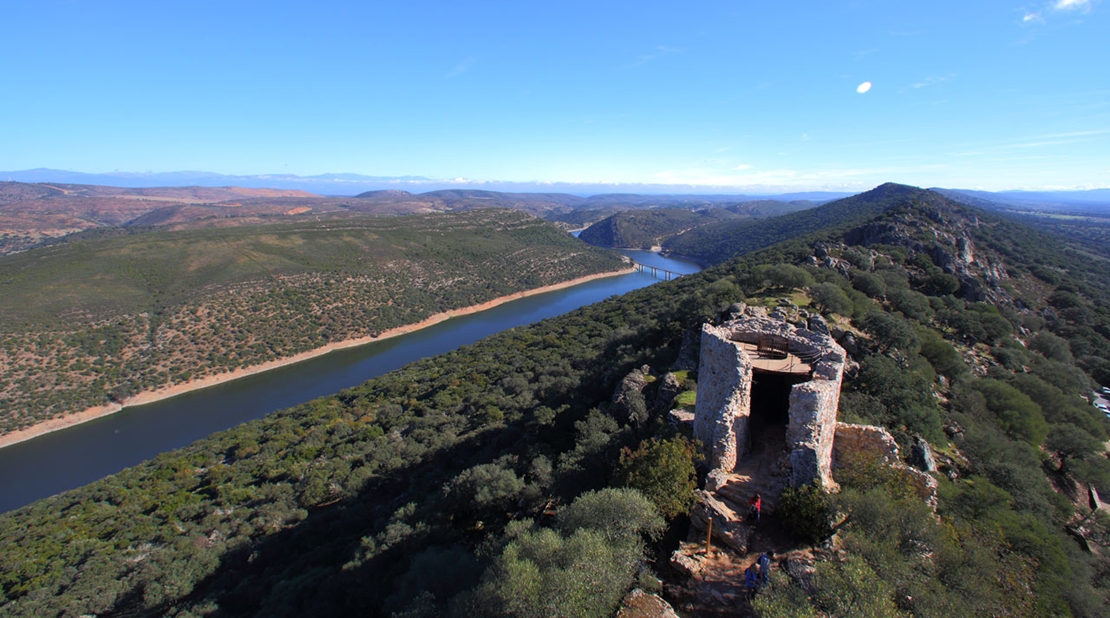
(759, 375)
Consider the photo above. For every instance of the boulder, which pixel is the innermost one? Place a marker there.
(640, 604)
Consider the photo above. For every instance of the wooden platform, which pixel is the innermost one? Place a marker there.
(774, 362)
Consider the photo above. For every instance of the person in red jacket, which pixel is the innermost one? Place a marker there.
(755, 505)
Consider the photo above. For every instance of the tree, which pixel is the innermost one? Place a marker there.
(1051, 347)
(1019, 415)
(831, 298)
(870, 284)
(619, 514)
(485, 487)
(582, 569)
(890, 332)
(941, 355)
(781, 276)
(663, 471)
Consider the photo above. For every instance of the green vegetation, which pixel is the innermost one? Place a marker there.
(385, 498)
(644, 229)
(717, 243)
(99, 320)
(663, 471)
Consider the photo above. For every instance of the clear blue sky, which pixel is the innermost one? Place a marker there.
(971, 93)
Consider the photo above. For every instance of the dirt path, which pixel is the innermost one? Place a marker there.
(84, 416)
(717, 589)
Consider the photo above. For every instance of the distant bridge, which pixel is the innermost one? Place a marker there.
(657, 272)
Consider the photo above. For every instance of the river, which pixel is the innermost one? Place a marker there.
(84, 453)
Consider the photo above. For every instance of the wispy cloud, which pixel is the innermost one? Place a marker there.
(462, 67)
(1039, 16)
(660, 51)
(929, 81)
(1032, 141)
(1072, 5)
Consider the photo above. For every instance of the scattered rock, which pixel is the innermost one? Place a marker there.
(818, 325)
(921, 455)
(679, 417)
(640, 604)
(686, 564)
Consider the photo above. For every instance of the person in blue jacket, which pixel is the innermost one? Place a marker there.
(751, 580)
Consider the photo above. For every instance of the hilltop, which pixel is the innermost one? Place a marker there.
(513, 475)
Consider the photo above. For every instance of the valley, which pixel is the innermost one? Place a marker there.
(970, 333)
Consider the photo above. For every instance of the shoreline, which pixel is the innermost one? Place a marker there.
(95, 412)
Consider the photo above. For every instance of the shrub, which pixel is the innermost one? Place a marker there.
(806, 513)
(663, 471)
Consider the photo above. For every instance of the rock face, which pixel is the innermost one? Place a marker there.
(868, 438)
(723, 411)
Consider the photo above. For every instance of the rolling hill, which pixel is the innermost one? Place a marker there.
(101, 319)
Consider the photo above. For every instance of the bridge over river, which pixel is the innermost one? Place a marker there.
(657, 272)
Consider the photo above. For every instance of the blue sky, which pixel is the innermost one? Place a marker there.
(740, 94)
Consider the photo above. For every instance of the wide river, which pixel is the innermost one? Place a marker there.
(78, 455)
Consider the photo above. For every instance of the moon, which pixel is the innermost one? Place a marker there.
(864, 87)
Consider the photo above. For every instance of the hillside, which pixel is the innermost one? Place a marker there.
(715, 244)
(430, 491)
(644, 229)
(99, 320)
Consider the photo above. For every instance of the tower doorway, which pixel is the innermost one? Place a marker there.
(770, 410)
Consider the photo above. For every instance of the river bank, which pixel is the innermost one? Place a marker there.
(96, 412)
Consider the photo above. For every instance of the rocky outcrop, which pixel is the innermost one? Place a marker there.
(851, 439)
(669, 388)
(628, 403)
(728, 525)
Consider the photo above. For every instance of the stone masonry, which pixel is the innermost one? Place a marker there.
(721, 420)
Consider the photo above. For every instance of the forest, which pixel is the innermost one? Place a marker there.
(507, 478)
(97, 320)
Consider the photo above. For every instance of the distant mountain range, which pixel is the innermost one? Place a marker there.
(1094, 200)
(352, 184)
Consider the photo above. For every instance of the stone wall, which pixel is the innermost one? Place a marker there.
(724, 397)
(724, 394)
(812, 429)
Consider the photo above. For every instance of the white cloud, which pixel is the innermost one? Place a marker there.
(864, 87)
(1033, 17)
(742, 167)
(1071, 5)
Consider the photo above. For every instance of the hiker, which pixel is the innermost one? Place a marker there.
(755, 505)
(751, 580)
(765, 566)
